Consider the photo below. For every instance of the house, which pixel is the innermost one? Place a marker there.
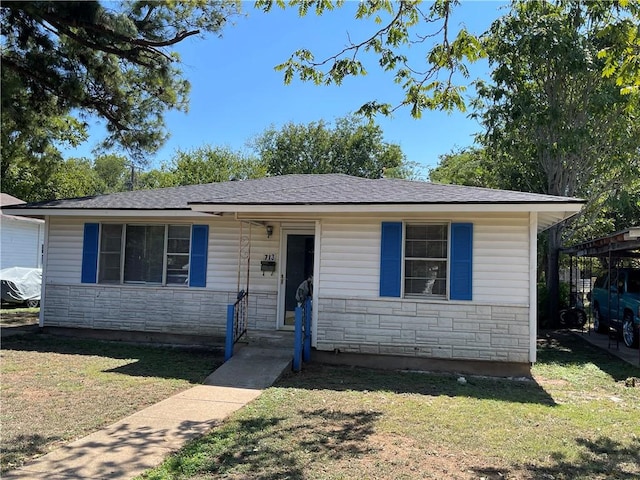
(405, 273)
(21, 238)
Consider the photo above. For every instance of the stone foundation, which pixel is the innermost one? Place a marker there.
(444, 330)
(150, 309)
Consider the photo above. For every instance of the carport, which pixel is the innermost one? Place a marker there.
(615, 252)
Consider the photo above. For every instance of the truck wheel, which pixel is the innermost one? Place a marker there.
(33, 303)
(629, 332)
(597, 321)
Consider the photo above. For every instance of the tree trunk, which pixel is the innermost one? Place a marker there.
(553, 273)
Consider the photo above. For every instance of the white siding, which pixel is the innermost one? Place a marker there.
(501, 260)
(222, 270)
(350, 257)
(65, 252)
(64, 255)
(21, 242)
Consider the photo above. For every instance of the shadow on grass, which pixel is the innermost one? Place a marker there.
(24, 446)
(342, 378)
(561, 348)
(600, 458)
(145, 360)
(260, 447)
(105, 456)
(566, 349)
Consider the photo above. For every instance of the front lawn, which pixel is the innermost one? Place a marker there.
(13, 316)
(58, 389)
(577, 419)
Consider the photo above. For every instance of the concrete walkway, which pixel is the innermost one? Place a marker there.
(142, 441)
(619, 349)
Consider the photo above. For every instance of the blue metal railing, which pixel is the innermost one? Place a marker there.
(302, 335)
(236, 322)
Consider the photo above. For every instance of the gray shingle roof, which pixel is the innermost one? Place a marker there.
(328, 189)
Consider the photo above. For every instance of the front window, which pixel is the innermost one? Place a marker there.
(146, 254)
(178, 243)
(425, 260)
(110, 253)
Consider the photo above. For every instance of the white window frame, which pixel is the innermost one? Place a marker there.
(123, 246)
(447, 260)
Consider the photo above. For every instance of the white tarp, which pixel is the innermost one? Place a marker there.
(20, 284)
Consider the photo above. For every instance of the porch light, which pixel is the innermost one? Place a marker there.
(269, 231)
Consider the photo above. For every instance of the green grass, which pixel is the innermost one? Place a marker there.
(576, 419)
(56, 389)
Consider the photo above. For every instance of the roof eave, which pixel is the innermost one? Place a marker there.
(106, 212)
(569, 207)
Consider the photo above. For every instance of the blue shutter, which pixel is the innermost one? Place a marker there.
(461, 287)
(90, 253)
(391, 259)
(198, 260)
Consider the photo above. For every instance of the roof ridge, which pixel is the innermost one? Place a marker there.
(275, 188)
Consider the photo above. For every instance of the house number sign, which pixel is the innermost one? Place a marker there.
(269, 263)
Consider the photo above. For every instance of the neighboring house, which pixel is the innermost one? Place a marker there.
(415, 271)
(21, 238)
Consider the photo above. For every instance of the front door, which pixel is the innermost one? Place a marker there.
(298, 266)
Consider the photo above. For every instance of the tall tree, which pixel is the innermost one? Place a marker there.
(352, 146)
(206, 164)
(209, 164)
(469, 166)
(75, 177)
(553, 122)
(113, 61)
(113, 172)
(28, 139)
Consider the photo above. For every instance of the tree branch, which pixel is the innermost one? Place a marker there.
(356, 47)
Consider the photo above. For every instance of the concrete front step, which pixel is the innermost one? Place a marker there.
(269, 339)
(253, 367)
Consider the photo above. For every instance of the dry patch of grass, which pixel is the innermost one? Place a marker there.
(15, 316)
(576, 419)
(57, 389)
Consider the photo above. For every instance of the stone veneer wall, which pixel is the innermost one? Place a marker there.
(418, 329)
(150, 309)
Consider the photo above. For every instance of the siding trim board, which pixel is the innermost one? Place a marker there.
(533, 293)
(45, 267)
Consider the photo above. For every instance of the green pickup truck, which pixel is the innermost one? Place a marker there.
(616, 304)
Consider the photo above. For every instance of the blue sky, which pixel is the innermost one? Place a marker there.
(236, 94)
